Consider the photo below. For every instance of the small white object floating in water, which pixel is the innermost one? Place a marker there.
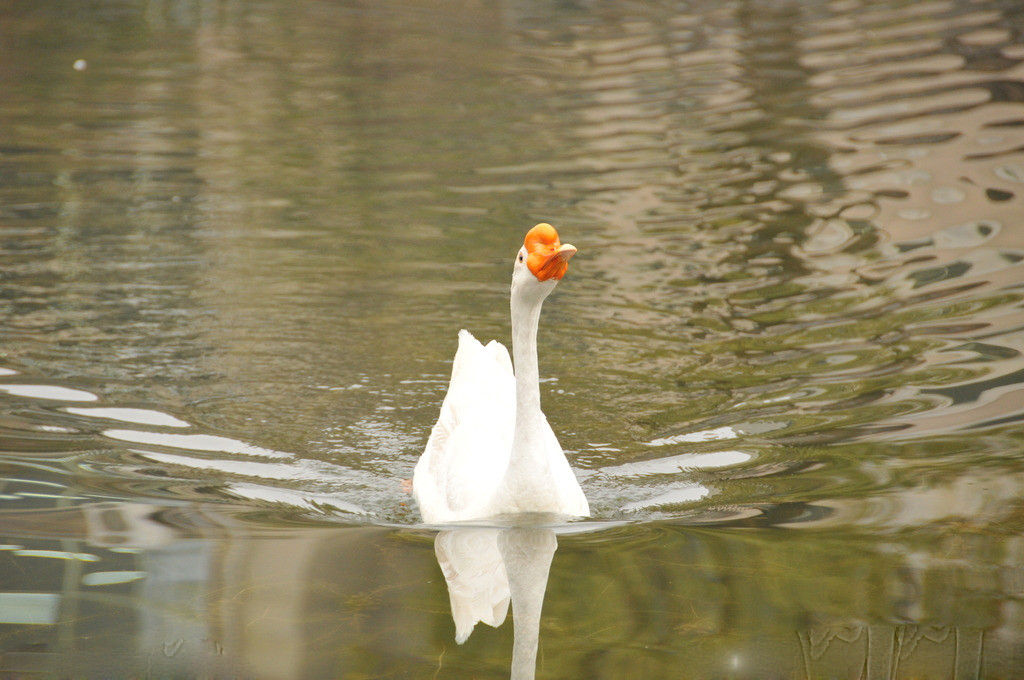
(80, 65)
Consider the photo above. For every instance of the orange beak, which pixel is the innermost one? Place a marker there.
(548, 258)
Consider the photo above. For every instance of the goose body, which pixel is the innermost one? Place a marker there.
(492, 451)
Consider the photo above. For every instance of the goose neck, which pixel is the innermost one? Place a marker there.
(525, 318)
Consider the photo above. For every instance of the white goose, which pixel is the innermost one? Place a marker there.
(492, 451)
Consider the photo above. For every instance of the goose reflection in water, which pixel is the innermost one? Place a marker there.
(486, 569)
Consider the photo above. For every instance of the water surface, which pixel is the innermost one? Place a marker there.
(238, 240)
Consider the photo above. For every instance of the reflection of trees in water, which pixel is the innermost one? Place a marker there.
(745, 593)
(319, 601)
(823, 198)
(929, 146)
(750, 185)
(765, 251)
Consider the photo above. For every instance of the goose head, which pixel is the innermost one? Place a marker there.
(540, 264)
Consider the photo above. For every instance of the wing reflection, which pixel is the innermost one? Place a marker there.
(474, 570)
(485, 569)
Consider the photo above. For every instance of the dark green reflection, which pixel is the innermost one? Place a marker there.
(661, 600)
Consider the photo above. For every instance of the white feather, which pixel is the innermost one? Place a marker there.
(462, 468)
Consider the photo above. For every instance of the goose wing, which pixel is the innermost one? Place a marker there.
(468, 451)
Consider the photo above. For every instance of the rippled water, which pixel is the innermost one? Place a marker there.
(237, 242)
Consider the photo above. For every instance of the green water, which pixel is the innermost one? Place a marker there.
(237, 241)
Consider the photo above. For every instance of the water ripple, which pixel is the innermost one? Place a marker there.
(798, 291)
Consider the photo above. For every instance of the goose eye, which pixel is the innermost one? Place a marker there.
(520, 257)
